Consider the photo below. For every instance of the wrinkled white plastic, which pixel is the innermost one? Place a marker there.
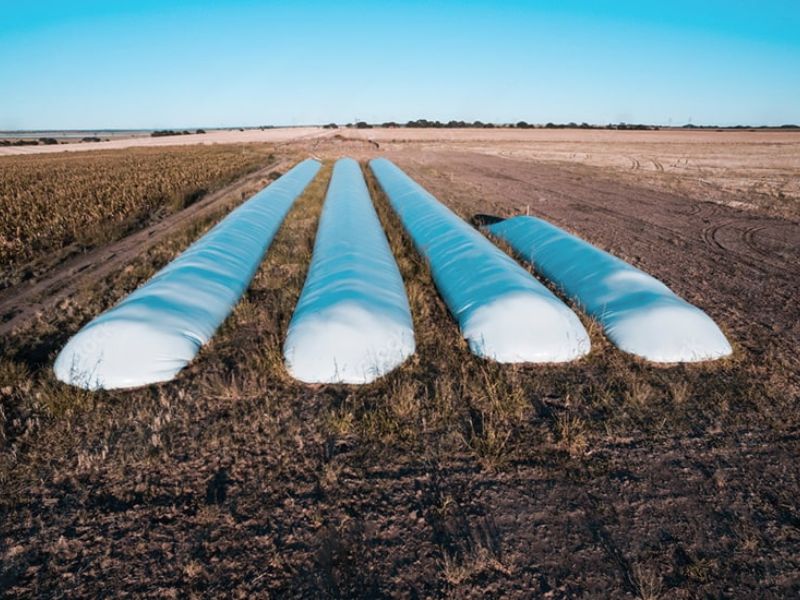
(503, 312)
(157, 330)
(639, 314)
(352, 323)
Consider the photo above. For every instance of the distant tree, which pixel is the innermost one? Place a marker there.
(330, 126)
(48, 141)
(200, 131)
(363, 125)
(522, 125)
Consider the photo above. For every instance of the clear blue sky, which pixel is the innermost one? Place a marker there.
(155, 64)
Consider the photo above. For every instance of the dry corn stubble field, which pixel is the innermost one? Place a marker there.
(57, 205)
(449, 477)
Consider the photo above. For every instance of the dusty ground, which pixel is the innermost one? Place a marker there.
(739, 168)
(741, 266)
(451, 477)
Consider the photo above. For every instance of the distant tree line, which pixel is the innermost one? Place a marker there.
(427, 124)
(168, 132)
(749, 127)
(620, 126)
(45, 141)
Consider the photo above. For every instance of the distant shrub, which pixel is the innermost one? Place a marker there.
(633, 127)
(90, 138)
(19, 142)
(330, 126)
(200, 131)
(363, 125)
(48, 141)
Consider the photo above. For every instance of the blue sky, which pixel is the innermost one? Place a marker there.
(150, 64)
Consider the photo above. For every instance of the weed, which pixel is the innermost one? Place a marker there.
(571, 435)
(639, 392)
(647, 582)
(680, 391)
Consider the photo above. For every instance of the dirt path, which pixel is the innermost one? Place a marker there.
(25, 301)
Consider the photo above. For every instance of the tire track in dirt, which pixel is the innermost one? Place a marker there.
(710, 234)
(596, 197)
(21, 303)
(743, 244)
(703, 209)
(555, 188)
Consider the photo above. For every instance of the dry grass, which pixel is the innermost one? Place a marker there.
(53, 200)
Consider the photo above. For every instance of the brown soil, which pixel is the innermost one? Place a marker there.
(452, 477)
(741, 267)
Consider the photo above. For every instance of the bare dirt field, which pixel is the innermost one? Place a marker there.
(740, 168)
(452, 476)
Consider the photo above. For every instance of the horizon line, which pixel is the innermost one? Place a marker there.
(434, 124)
